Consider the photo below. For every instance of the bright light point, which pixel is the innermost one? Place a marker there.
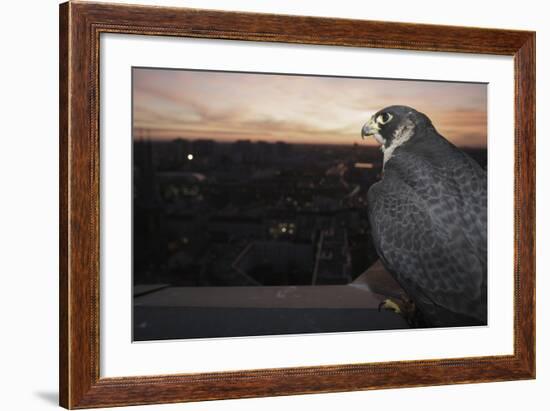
(189, 156)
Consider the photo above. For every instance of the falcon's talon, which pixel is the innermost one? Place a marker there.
(391, 305)
(404, 307)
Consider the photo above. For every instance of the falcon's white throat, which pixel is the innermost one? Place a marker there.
(378, 137)
(401, 135)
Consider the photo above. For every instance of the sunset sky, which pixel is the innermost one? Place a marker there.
(297, 109)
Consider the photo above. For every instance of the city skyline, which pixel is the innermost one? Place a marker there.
(299, 109)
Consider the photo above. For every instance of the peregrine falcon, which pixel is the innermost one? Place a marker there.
(428, 217)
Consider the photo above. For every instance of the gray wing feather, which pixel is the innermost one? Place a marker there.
(428, 220)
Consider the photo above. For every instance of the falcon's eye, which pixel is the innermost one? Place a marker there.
(384, 118)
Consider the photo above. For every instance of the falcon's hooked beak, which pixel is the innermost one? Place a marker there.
(371, 128)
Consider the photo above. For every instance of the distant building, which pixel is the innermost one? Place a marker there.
(276, 263)
(249, 213)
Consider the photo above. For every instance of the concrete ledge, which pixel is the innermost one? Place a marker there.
(164, 323)
(315, 296)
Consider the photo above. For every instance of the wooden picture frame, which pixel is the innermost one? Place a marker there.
(80, 27)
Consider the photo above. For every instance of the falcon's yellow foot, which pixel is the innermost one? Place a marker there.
(389, 304)
(405, 308)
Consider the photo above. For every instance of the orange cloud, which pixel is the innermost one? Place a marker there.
(301, 109)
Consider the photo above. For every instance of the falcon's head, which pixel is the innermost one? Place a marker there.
(394, 125)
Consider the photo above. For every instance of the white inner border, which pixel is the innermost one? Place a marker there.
(121, 357)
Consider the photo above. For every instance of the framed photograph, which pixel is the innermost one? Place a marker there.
(258, 205)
